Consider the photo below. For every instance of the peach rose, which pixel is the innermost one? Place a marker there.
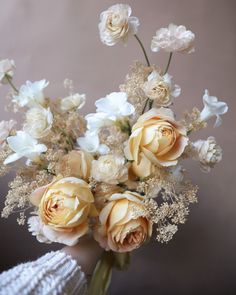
(76, 163)
(156, 139)
(64, 208)
(123, 225)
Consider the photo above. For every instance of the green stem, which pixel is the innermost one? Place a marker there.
(101, 277)
(9, 80)
(145, 105)
(168, 63)
(143, 49)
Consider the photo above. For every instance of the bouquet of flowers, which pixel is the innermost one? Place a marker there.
(114, 174)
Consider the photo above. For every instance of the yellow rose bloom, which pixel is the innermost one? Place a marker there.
(123, 225)
(76, 163)
(156, 139)
(64, 208)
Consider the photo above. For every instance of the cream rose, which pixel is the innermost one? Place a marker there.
(207, 152)
(116, 24)
(173, 39)
(64, 208)
(156, 139)
(76, 163)
(110, 169)
(74, 101)
(160, 89)
(38, 122)
(123, 225)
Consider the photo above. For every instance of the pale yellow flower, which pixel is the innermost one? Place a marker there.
(110, 169)
(156, 139)
(64, 208)
(76, 163)
(123, 224)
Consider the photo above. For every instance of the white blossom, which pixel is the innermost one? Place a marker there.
(31, 94)
(24, 146)
(116, 23)
(97, 120)
(74, 101)
(213, 107)
(38, 122)
(161, 89)
(7, 67)
(110, 169)
(115, 105)
(90, 143)
(207, 152)
(173, 39)
(5, 129)
(36, 227)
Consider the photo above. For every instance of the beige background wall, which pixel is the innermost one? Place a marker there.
(57, 39)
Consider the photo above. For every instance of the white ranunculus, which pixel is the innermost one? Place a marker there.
(31, 94)
(7, 67)
(74, 101)
(116, 23)
(90, 143)
(161, 89)
(213, 107)
(24, 146)
(207, 152)
(115, 105)
(110, 169)
(38, 122)
(97, 120)
(173, 39)
(5, 129)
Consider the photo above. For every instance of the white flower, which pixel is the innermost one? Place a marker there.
(116, 24)
(38, 122)
(207, 152)
(97, 120)
(213, 107)
(5, 129)
(90, 143)
(7, 67)
(110, 169)
(24, 146)
(115, 105)
(36, 227)
(74, 101)
(31, 94)
(46, 234)
(161, 89)
(173, 39)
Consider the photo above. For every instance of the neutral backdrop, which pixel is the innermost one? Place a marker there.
(59, 39)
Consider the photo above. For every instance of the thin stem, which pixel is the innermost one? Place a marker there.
(11, 84)
(168, 63)
(143, 49)
(145, 105)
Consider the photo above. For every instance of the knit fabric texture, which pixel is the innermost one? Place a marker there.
(54, 273)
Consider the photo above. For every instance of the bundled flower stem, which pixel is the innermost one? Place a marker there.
(102, 274)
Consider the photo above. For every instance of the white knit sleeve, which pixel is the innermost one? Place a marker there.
(54, 273)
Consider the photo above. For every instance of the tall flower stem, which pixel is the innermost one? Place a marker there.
(11, 83)
(168, 63)
(145, 105)
(143, 49)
